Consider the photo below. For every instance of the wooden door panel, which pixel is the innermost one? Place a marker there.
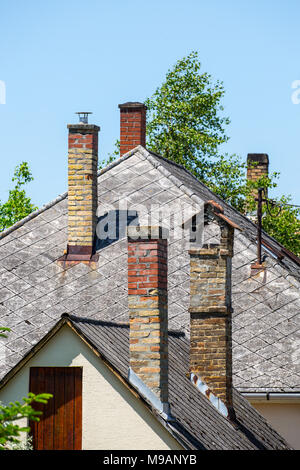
(60, 426)
(78, 409)
(47, 417)
(69, 409)
(59, 395)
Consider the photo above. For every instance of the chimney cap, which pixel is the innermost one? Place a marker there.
(85, 128)
(83, 116)
(147, 232)
(258, 157)
(132, 104)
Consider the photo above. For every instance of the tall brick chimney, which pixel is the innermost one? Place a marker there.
(82, 190)
(210, 316)
(148, 310)
(132, 126)
(257, 166)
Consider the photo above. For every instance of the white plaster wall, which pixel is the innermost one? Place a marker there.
(284, 418)
(113, 418)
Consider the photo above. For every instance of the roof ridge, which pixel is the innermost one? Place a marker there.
(178, 165)
(151, 157)
(119, 160)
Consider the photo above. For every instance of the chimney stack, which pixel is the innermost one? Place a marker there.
(257, 166)
(82, 189)
(210, 315)
(132, 126)
(148, 311)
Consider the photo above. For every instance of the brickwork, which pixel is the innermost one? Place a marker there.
(257, 166)
(82, 185)
(210, 311)
(132, 126)
(148, 311)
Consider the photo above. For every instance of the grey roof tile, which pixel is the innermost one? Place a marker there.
(269, 351)
(11, 262)
(18, 345)
(5, 294)
(19, 285)
(286, 327)
(7, 277)
(255, 344)
(242, 335)
(14, 303)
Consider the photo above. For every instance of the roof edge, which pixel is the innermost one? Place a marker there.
(32, 215)
(154, 160)
(199, 182)
(34, 350)
(272, 397)
(138, 148)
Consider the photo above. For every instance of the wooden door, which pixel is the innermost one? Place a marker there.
(60, 426)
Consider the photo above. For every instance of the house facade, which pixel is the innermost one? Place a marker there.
(84, 363)
(111, 417)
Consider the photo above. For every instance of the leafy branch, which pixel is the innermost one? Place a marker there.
(18, 205)
(9, 415)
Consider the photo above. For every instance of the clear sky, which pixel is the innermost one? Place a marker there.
(62, 56)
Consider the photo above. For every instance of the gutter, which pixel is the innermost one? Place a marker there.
(272, 397)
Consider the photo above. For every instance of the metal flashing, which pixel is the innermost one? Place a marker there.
(216, 402)
(163, 409)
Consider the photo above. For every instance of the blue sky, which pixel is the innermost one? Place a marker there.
(62, 56)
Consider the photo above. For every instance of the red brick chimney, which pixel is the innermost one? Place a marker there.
(82, 190)
(148, 309)
(210, 310)
(132, 126)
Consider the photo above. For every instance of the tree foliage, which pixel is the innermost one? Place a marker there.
(185, 124)
(10, 431)
(282, 221)
(18, 205)
(184, 119)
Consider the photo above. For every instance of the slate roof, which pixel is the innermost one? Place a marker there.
(35, 290)
(197, 425)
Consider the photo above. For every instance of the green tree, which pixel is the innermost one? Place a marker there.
(186, 124)
(185, 121)
(18, 205)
